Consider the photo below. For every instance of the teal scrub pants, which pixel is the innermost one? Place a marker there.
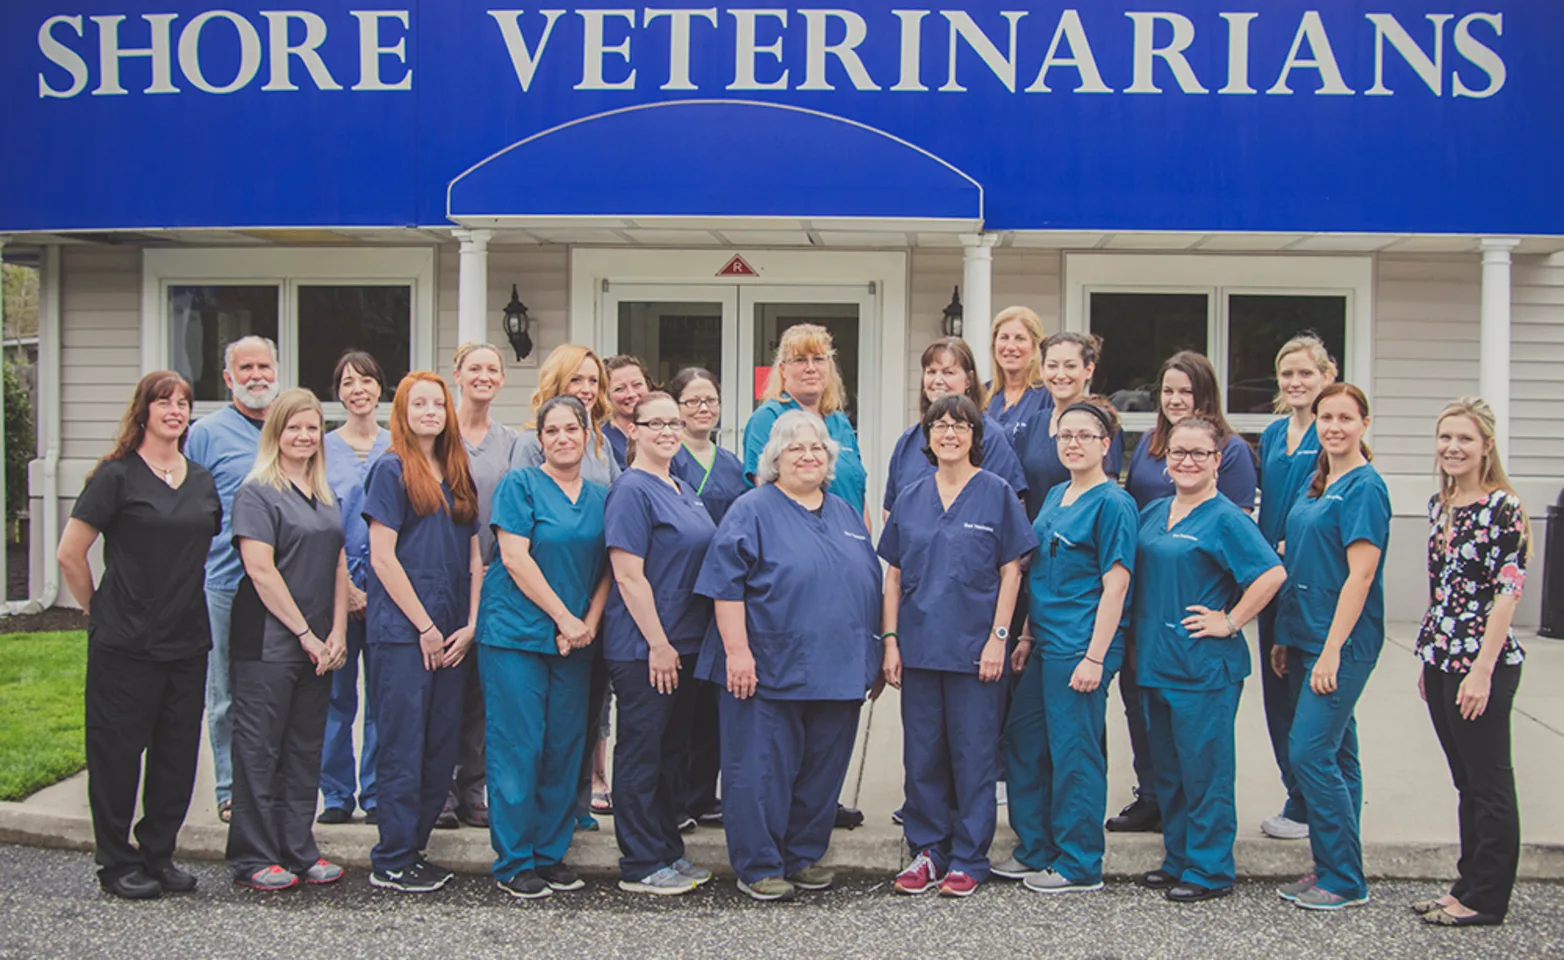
(1192, 739)
(536, 730)
(1323, 747)
(1055, 770)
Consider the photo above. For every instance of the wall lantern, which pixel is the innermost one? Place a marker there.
(518, 325)
(951, 323)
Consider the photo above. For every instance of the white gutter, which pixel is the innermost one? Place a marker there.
(47, 417)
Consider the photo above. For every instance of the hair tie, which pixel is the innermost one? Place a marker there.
(1091, 408)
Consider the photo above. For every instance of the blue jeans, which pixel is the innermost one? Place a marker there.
(219, 692)
(337, 776)
(1324, 752)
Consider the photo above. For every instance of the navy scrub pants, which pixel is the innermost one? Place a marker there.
(651, 760)
(783, 766)
(951, 727)
(1192, 734)
(419, 721)
(537, 716)
(1280, 705)
(705, 753)
(340, 777)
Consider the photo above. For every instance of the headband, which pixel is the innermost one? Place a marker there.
(1094, 410)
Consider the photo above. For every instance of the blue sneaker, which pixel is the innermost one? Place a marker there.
(586, 822)
(687, 869)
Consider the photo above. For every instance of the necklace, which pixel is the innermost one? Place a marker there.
(167, 472)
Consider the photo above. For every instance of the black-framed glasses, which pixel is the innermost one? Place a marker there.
(697, 403)
(1198, 456)
(658, 426)
(1066, 438)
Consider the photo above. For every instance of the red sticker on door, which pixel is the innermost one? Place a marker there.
(737, 267)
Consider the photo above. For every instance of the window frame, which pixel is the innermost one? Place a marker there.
(288, 269)
(1220, 277)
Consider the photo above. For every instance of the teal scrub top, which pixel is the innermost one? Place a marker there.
(1284, 475)
(851, 482)
(1078, 545)
(1208, 558)
(564, 538)
(1319, 530)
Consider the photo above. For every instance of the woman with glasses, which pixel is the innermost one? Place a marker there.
(657, 535)
(954, 543)
(1202, 571)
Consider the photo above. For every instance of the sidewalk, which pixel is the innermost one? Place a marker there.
(1409, 810)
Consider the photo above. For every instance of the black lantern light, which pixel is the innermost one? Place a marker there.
(951, 323)
(518, 325)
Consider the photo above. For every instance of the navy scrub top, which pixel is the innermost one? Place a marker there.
(1077, 546)
(909, 465)
(950, 562)
(851, 481)
(811, 591)
(1039, 454)
(565, 539)
(1319, 530)
(617, 442)
(669, 530)
(1284, 475)
(435, 551)
(1208, 559)
(1235, 478)
(717, 484)
(1035, 401)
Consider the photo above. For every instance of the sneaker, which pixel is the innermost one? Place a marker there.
(699, 874)
(332, 815)
(447, 818)
(323, 871)
(1291, 891)
(371, 817)
(1047, 881)
(1011, 869)
(135, 885)
(411, 879)
(1283, 828)
(434, 870)
(1140, 816)
(526, 885)
(712, 817)
(474, 816)
(769, 888)
(687, 824)
(586, 822)
(896, 817)
(171, 878)
(664, 882)
(1318, 898)
(812, 878)
(921, 876)
(269, 879)
(848, 818)
(560, 877)
(957, 884)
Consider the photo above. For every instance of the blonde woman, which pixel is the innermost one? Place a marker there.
(575, 371)
(1018, 392)
(289, 631)
(1477, 553)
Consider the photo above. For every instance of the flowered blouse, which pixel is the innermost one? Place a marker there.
(1483, 555)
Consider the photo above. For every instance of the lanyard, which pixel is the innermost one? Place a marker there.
(708, 467)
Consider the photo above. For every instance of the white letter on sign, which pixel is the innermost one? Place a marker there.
(63, 57)
(593, 50)
(190, 51)
(524, 61)
(1146, 51)
(370, 51)
(308, 50)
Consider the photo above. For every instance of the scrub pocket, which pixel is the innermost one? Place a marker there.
(973, 556)
(778, 666)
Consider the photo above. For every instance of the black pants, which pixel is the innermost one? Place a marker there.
(1479, 755)
(279, 717)
(597, 699)
(469, 787)
(136, 707)
(700, 785)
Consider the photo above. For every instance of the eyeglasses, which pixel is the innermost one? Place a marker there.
(1065, 438)
(699, 403)
(1198, 456)
(816, 450)
(659, 426)
(940, 427)
(813, 361)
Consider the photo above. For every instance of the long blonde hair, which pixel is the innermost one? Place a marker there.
(1490, 472)
(268, 459)
(802, 340)
(554, 376)
(1034, 329)
(1315, 348)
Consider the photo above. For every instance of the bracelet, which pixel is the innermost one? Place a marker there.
(1228, 617)
(426, 629)
(889, 635)
(304, 633)
(1088, 659)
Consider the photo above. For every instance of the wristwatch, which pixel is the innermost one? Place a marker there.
(1003, 633)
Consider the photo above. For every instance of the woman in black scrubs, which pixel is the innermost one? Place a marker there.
(147, 634)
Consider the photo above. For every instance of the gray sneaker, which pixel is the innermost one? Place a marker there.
(1047, 881)
(812, 877)
(1291, 891)
(269, 879)
(1011, 869)
(664, 882)
(1282, 828)
(1317, 898)
(769, 888)
(687, 869)
(323, 871)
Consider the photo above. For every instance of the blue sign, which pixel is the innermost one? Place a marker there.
(1426, 116)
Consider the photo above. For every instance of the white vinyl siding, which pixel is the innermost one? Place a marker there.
(100, 356)
(1537, 368)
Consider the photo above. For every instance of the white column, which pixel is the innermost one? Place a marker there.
(977, 296)
(1494, 365)
(472, 299)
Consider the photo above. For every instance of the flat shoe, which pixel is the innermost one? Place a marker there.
(1438, 918)
(1426, 906)
(1156, 880)
(1195, 893)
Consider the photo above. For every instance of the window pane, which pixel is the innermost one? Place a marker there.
(839, 319)
(1258, 325)
(668, 337)
(1139, 331)
(203, 320)
(334, 319)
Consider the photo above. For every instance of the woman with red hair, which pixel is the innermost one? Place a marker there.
(425, 573)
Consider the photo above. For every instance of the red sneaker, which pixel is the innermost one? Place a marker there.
(921, 875)
(269, 878)
(957, 884)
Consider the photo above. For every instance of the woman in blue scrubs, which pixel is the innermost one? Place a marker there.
(1202, 570)
(796, 590)
(954, 542)
(1186, 386)
(1069, 360)
(658, 531)
(1289, 451)
(949, 370)
(717, 477)
(1330, 626)
(628, 382)
(1017, 392)
(425, 574)
(1079, 586)
(542, 603)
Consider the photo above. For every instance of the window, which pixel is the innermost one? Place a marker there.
(204, 320)
(335, 319)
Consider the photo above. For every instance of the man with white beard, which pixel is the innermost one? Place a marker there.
(225, 443)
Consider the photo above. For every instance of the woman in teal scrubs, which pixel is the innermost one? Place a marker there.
(1202, 570)
(540, 609)
(1078, 585)
(1330, 626)
(1289, 452)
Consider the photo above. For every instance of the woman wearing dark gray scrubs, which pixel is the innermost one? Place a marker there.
(289, 534)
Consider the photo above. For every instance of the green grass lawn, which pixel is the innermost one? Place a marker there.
(41, 678)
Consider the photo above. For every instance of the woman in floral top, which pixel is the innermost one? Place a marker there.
(1471, 660)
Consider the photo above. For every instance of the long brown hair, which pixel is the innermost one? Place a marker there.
(423, 490)
(1490, 472)
(1207, 400)
(1322, 470)
(155, 386)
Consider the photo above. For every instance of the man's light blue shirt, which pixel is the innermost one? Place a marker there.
(225, 443)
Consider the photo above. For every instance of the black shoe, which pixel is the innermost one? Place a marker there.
(847, 818)
(560, 877)
(1141, 816)
(135, 885)
(412, 879)
(474, 816)
(333, 815)
(526, 885)
(447, 818)
(371, 817)
(896, 816)
(712, 817)
(439, 873)
(1194, 893)
(1156, 880)
(171, 878)
(687, 824)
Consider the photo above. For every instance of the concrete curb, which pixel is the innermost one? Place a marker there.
(868, 850)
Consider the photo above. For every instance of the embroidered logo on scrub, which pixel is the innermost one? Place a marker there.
(977, 526)
(856, 536)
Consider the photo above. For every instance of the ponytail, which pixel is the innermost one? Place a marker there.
(1322, 468)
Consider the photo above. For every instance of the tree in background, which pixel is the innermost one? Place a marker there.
(20, 442)
(20, 286)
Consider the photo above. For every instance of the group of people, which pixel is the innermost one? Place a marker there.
(496, 585)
